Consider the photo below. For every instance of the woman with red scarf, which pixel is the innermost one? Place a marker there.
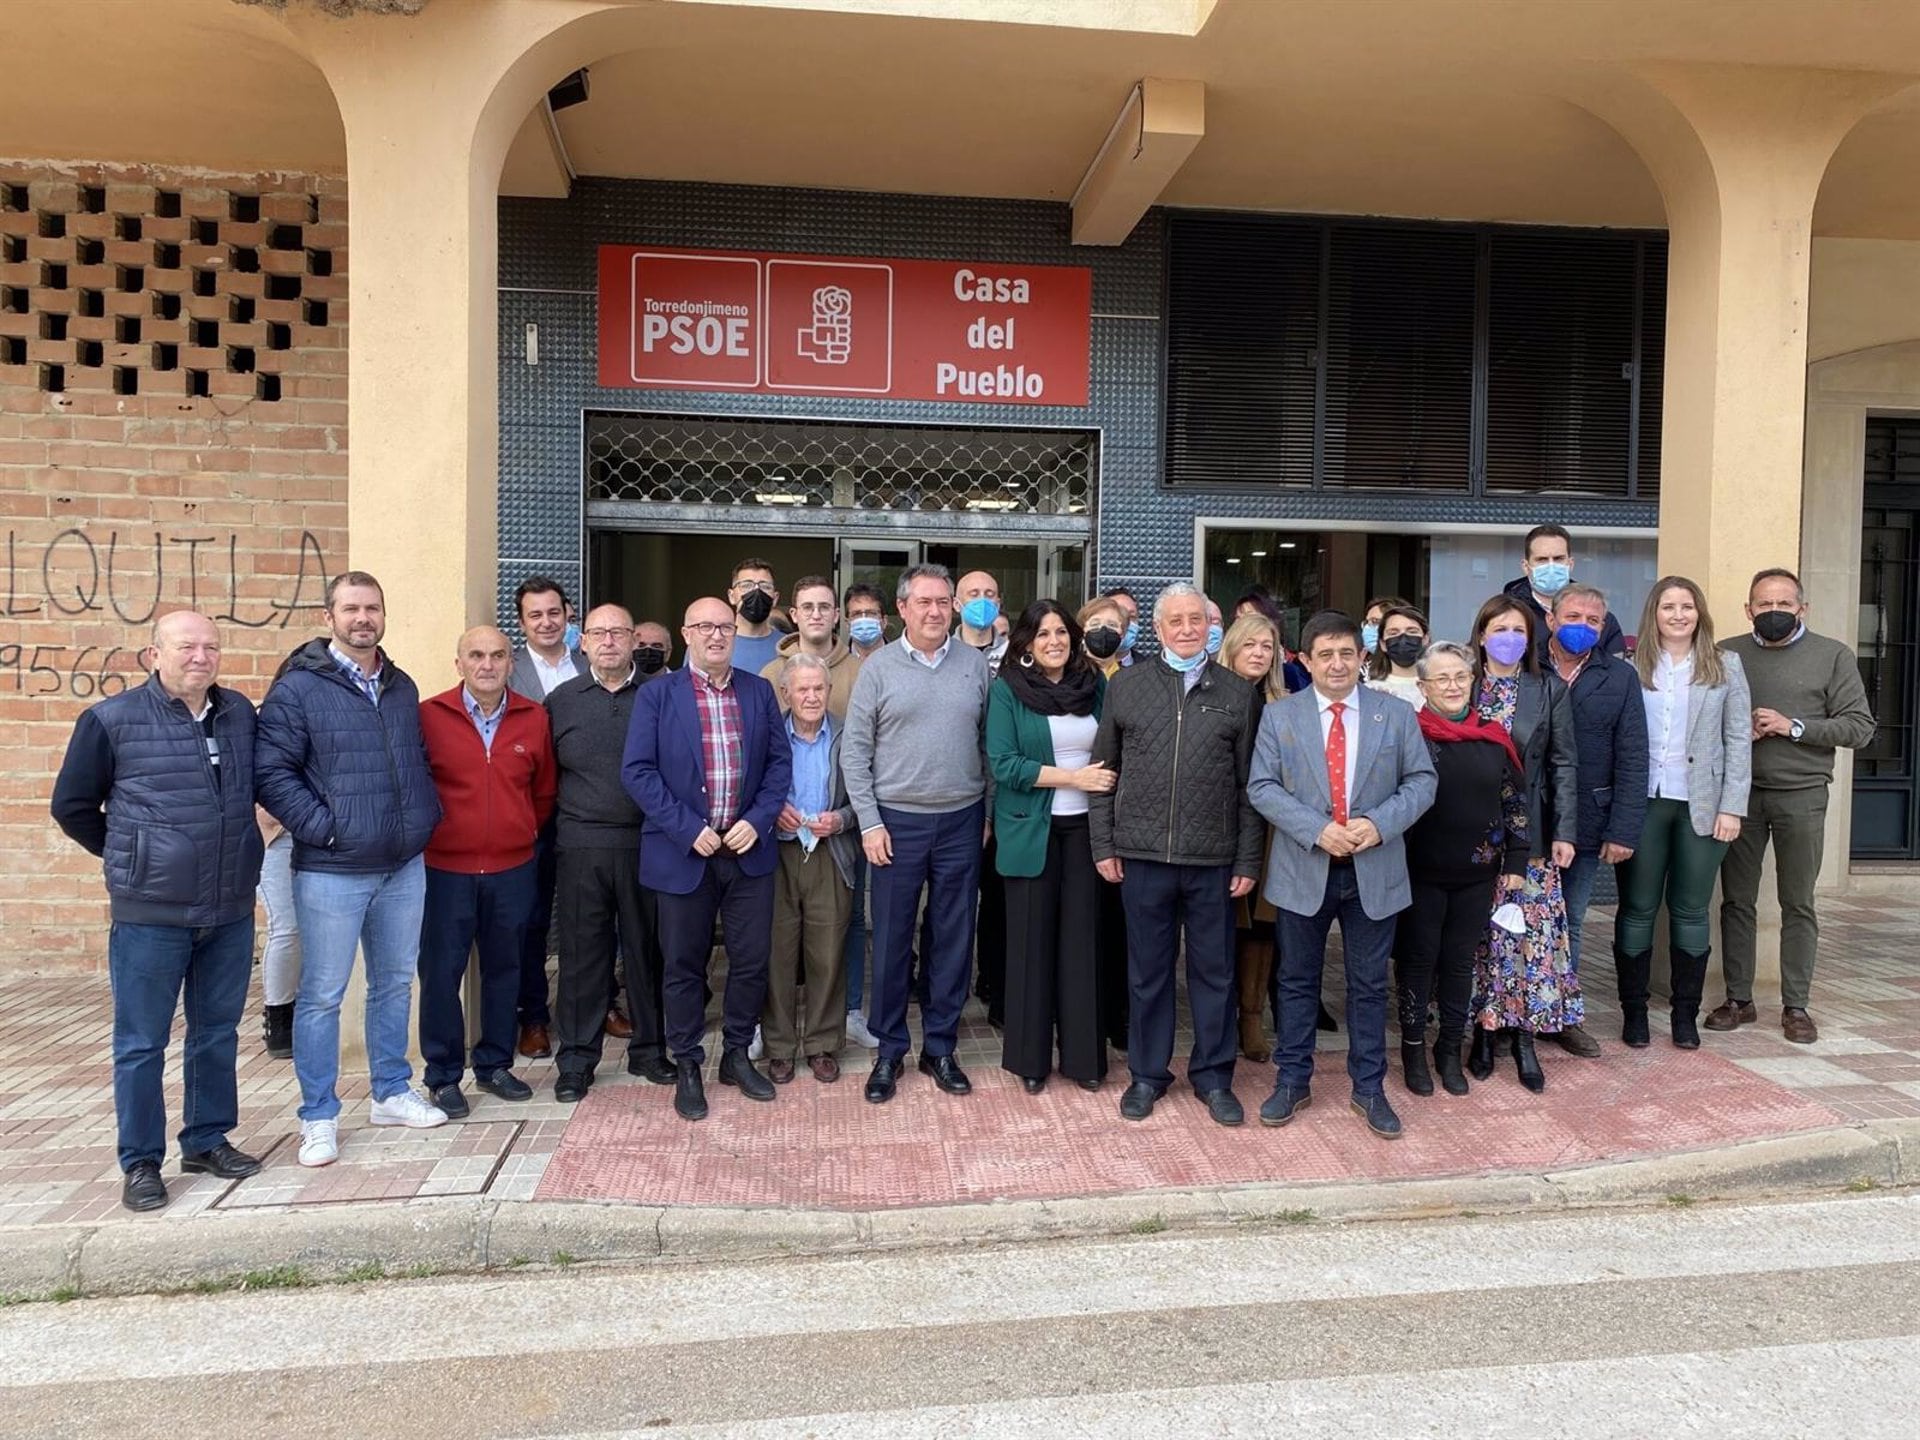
(1475, 830)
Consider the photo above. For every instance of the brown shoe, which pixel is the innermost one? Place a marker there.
(535, 1043)
(1731, 1014)
(780, 1071)
(1798, 1027)
(618, 1026)
(1576, 1041)
(825, 1068)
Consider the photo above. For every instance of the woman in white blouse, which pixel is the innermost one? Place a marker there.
(1402, 641)
(1700, 757)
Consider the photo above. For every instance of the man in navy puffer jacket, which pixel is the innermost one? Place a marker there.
(343, 767)
(158, 782)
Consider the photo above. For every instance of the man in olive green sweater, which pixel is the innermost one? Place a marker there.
(1807, 703)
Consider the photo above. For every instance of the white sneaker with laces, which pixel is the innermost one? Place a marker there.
(319, 1142)
(758, 1047)
(858, 1032)
(408, 1108)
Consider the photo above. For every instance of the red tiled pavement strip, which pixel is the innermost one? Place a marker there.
(824, 1146)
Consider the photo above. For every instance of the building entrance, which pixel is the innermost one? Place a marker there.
(1886, 773)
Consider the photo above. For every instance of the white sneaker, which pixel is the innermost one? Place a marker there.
(758, 1047)
(408, 1108)
(319, 1142)
(858, 1032)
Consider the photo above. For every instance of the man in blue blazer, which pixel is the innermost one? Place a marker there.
(1342, 771)
(708, 764)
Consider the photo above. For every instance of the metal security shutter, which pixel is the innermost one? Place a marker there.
(1242, 320)
(1560, 364)
(1400, 323)
(1653, 364)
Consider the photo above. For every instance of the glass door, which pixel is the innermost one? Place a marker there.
(861, 562)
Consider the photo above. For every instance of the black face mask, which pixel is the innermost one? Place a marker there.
(1773, 626)
(1103, 642)
(1403, 650)
(649, 659)
(755, 606)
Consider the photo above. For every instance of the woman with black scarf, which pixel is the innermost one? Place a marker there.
(1042, 714)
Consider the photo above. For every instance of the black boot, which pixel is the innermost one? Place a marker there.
(1413, 1065)
(1633, 972)
(1480, 1061)
(276, 1029)
(1689, 979)
(689, 1091)
(1527, 1062)
(1446, 1063)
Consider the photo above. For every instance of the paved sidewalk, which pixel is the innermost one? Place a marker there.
(823, 1147)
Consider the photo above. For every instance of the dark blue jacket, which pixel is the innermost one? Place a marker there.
(1610, 732)
(349, 780)
(665, 771)
(138, 789)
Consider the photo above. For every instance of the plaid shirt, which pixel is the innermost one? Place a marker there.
(367, 684)
(720, 747)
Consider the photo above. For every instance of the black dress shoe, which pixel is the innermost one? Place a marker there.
(1088, 1084)
(569, 1089)
(449, 1099)
(881, 1081)
(689, 1091)
(737, 1069)
(946, 1073)
(143, 1188)
(1138, 1099)
(222, 1160)
(504, 1085)
(1033, 1084)
(1224, 1106)
(656, 1069)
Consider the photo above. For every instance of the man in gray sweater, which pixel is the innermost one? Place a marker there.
(915, 767)
(1807, 703)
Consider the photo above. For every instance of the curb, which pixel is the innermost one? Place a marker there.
(420, 1238)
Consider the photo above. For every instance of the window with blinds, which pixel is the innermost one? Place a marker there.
(1447, 359)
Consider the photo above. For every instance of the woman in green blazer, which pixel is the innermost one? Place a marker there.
(1042, 714)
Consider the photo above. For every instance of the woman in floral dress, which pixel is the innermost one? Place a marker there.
(1524, 982)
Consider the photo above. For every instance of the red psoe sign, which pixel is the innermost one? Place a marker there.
(823, 325)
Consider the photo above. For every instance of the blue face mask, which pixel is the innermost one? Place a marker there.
(980, 614)
(1132, 634)
(1191, 662)
(1369, 636)
(1214, 636)
(865, 631)
(1551, 578)
(572, 638)
(1576, 639)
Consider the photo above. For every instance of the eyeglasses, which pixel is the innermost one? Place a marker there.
(1449, 682)
(817, 608)
(606, 632)
(707, 629)
(765, 587)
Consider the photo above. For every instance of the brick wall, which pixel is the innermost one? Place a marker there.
(173, 432)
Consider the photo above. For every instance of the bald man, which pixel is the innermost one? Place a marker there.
(158, 782)
(492, 762)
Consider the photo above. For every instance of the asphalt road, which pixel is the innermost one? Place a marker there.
(1783, 1320)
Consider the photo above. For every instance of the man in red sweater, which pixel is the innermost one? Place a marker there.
(492, 759)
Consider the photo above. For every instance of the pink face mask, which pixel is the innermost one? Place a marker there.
(1507, 647)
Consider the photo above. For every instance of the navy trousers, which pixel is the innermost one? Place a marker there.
(464, 914)
(744, 904)
(1300, 944)
(532, 1003)
(941, 855)
(1160, 901)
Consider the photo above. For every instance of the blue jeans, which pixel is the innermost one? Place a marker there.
(1300, 943)
(856, 948)
(380, 914)
(1576, 884)
(149, 966)
(280, 957)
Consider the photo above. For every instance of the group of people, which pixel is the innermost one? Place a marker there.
(1044, 795)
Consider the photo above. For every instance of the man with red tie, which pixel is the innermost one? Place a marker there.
(1341, 771)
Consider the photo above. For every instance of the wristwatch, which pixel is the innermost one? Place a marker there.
(1796, 729)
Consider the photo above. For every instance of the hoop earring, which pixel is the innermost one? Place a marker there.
(1026, 661)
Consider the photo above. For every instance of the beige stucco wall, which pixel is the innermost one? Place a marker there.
(1864, 293)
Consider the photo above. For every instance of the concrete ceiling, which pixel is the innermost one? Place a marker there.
(1442, 108)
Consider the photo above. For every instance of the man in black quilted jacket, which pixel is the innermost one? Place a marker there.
(1179, 837)
(342, 765)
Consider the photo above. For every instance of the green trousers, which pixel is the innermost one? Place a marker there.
(1673, 864)
(1796, 822)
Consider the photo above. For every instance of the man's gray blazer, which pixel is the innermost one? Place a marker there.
(525, 680)
(1393, 784)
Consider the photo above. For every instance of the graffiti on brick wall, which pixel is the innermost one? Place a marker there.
(114, 576)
